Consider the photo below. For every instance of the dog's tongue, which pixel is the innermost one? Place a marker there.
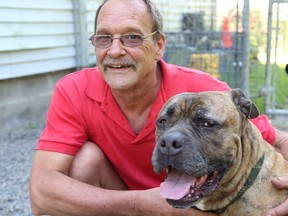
(177, 185)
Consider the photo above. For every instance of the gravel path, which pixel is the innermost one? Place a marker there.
(17, 145)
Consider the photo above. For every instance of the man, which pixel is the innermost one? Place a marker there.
(94, 156)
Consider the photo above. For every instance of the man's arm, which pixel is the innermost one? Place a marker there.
(53, 192)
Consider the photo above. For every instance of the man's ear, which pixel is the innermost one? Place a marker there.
(160, 47)
(244, 104)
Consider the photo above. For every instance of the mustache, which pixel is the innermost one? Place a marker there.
(122, 61)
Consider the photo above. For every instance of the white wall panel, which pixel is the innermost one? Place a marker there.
(32, 29)
(36, 55)
(37, 4)
(36, 42)
(36, 36)
(44, 66)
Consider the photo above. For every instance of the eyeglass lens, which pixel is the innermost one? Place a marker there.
(106, 40)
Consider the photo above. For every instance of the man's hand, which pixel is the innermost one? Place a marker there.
(281, 210)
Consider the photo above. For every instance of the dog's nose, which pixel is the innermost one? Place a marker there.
(171, 143)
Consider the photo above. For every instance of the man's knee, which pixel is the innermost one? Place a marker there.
(91, 166)
(86, 162)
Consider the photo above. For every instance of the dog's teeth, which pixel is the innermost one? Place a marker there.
(167, 170)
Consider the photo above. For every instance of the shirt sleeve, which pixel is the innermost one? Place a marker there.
(267, 130)
(65, 127)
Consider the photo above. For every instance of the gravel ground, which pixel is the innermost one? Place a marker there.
(17, 144)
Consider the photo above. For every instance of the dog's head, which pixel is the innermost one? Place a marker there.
(194, 132)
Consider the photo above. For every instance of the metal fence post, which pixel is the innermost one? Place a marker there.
(268, 61)
(246, 47)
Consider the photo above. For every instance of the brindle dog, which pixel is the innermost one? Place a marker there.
(215, 159)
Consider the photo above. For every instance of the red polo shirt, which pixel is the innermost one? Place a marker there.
(82, 108)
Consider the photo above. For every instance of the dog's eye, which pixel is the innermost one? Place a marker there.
(162, 121)
(208, 124)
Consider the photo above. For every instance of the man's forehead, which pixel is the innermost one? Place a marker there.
(128, 9)
(123, 14)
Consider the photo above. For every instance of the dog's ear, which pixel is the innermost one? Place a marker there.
(244, 104)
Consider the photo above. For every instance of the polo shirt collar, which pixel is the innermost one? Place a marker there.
(96, 85)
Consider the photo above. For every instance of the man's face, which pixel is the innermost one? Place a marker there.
(127, 68)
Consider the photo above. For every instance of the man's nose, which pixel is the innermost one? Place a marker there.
(117, 48)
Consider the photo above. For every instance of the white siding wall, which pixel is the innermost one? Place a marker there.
(36, 37)
(41, 36)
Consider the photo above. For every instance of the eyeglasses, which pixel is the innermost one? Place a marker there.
(128, 40)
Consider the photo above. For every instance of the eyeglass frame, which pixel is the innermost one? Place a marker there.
(142, 37)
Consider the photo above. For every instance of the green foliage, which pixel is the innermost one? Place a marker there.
(257, 81)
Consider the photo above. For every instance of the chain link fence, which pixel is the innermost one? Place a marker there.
(206, 43)
(233, 48)
(276, 93)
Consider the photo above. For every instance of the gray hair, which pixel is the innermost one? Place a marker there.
(152, 10)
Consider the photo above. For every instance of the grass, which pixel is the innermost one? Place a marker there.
(257, 84)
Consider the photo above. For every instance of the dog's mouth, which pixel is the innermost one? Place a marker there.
(183, 191)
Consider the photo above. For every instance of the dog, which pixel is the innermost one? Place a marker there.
(214, 157)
